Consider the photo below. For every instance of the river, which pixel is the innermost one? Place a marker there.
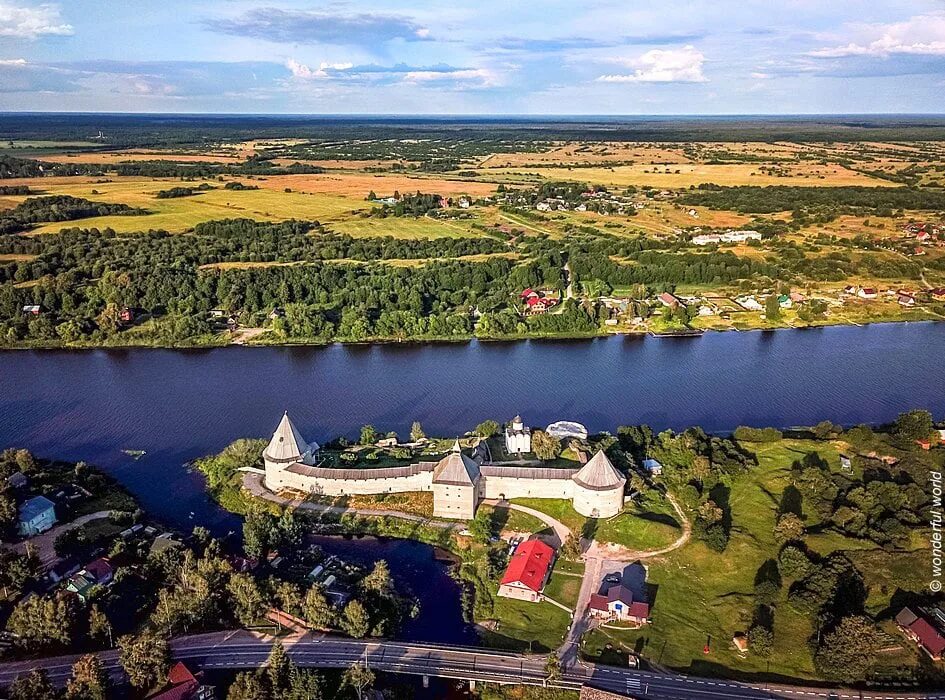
(178, 405)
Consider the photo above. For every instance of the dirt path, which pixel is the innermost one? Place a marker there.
(561, 530)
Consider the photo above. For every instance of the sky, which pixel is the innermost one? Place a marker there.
(510, 57)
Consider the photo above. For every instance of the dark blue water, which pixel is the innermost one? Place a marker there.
(415, 570)
(178, 405)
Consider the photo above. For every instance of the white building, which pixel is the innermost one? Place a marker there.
(518, 438)
(457, 482)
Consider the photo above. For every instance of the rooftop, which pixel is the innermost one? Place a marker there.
(34, 507)
(599, 474)
(529, 565)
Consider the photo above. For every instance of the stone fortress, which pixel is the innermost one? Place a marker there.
(458, 482)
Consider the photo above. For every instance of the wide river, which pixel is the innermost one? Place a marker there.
(178, 405)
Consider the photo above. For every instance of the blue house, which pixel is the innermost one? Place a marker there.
(37, 515)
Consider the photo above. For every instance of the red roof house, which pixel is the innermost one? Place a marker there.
(920, 631)
(182, 685)
(527, 571)
(618, 604)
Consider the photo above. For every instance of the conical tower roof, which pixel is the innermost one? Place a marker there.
(599, 474)
(287, 444)
(456, 468)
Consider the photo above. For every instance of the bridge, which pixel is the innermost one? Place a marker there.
(243, 650)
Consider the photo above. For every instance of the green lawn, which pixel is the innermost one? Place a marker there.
(563, 588)
(508, 519)
(558, 508)
(650, 523)
(536, 627)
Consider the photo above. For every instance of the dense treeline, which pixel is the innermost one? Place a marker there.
(751, 199)
(175, 192)
(58, 208)
(409, 205)
(14, 189)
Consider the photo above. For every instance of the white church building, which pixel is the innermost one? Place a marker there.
(518, 437)
(458, 483)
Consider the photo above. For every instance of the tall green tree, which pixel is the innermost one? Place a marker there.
(146, 659)
(355, 620)
(89, 680)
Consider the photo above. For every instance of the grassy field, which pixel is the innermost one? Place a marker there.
(695, 174)
(182, 213)
(704, 597)
(650, 523)
(536, 627)
(563, 588)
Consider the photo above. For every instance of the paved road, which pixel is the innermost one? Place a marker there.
(239, 650)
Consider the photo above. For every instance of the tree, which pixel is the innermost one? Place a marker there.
(545, 446)
(145, 658)
(773, 308)
(89, 680)
(553, 667)
(260, 533)
(25, 461)
(100, 628)
(760, 640)
(305, 684)
(248, 600)
(416, 432)
(318, 610)
(247, 686)
(487, 428)
(368, 435)
(40, 623)
(355, 620)
(794, 562)
(846, 653)
(789, 528)
(279, 670)
(912, 426)
(379, 580)
(480, 527)
(571, 549)
(8, 511)
(359, 677)
(33, 686)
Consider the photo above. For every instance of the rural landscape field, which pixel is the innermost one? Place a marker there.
(562, 234)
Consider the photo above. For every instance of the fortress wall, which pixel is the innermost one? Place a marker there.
(597, 504)
(281, 479)
(517, 487)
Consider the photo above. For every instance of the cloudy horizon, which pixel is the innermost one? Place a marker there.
(598, 57)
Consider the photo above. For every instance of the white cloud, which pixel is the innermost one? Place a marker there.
(757, 75)
(922, 35)
(662, 66)
(302, 71)
(477, 75)
(31, 22)
(12, 62)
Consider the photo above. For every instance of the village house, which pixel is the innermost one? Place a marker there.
(527, 572)
(670, 301)
(98, 572)
(653, 467)
(618, 605)
(32, 309)
(867, 293)
(182, 684)
(518, 437)
(36, 515)
(921, 631)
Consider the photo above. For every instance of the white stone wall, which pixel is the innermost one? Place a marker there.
(514, 487)
(278, 478)
(597, 504)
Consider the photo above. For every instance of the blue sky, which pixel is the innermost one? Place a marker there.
(525, 57)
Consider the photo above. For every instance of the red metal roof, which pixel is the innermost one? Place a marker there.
(181, 684)
(639, 610)
(929, 637)
(529, 565)
(599, 602)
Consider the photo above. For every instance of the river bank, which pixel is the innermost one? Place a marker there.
(269, 340)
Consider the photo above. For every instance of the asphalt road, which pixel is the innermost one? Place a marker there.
(240, 650)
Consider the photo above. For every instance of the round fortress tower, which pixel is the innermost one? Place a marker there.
(598, 488)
